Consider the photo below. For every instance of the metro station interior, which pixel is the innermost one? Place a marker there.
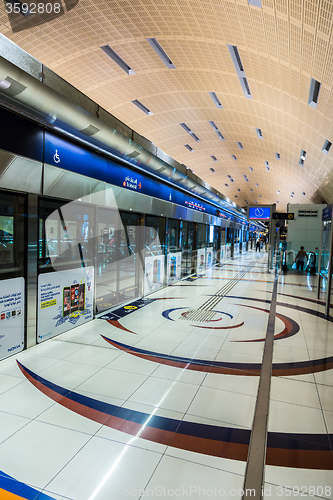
(166, 249)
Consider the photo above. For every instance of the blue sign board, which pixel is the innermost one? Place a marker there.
(327, 213)
(63, 154)
(259, 213)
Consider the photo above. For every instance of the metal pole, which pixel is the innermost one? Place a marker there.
(319, 262)
(329, 276)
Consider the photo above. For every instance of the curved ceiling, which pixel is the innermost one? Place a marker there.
(268, 62)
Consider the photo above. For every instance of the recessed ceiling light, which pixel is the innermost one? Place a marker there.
(326, 147)
(4, 84)
(216, 100)
(117, 59)
(142, 107)
(161, 53)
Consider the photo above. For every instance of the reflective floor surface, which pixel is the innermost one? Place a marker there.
(157, 400)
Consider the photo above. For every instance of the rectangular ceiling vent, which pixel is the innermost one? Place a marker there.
(240, 145)
(326, 147)
(195, 137)
(185, 127)
(259, 133)
(187, 146)
(302, 157)
(233, 51)
(251, 169)
(216, 130)
(234, 157)
(212, 169)
(247, 180)
(117, 59)
(216, 100)
(142, 107)
(307, 213)
(189, 131)
(161, 53)
(214, 158)
(213, 125)
(277, 156)
(314, 93)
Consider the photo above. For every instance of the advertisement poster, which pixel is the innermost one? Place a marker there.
(11, 316)
(209, 256)
(174, 267)
(154, 273)
(65, 300)
(201, 254)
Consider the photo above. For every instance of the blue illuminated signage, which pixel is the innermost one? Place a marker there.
(259, 213)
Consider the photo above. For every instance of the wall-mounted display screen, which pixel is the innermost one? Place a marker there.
(259, 213)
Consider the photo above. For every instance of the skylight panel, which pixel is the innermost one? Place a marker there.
(236, 59)
(277, 156)
(234, 157)
(314, 93)
(142, 107)
(161, 53)
(212, 169)
(247, 180)
(216, 100)
(214, 158)
(240, 145)
(326, 147)
(117, 59)
(255, 3)
(251, 169)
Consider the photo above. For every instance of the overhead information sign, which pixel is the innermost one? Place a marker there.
(286, 216)
(259, 213)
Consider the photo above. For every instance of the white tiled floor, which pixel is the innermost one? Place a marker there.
(72, 457)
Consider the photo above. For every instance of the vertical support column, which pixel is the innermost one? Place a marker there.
(32, 271)
(329, 275)
(271, 240)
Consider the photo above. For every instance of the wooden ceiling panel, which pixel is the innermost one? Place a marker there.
(281, 45)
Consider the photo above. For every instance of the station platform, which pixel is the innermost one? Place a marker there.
(157, 399)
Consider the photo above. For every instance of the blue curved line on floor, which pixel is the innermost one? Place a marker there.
(222, 364)
(299, 441)
(12, 485)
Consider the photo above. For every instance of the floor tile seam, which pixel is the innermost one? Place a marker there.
(66, 464)
(295, 404)
(213, 421)
(322, 408)
(219, 469)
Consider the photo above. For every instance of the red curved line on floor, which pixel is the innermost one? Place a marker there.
(287, 326)
(307, 458)
(220, 327)
(115, 322)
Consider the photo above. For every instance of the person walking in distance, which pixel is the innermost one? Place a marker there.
(301, 258)
(258, 245)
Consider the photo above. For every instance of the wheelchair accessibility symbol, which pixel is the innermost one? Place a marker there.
(56, 157)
